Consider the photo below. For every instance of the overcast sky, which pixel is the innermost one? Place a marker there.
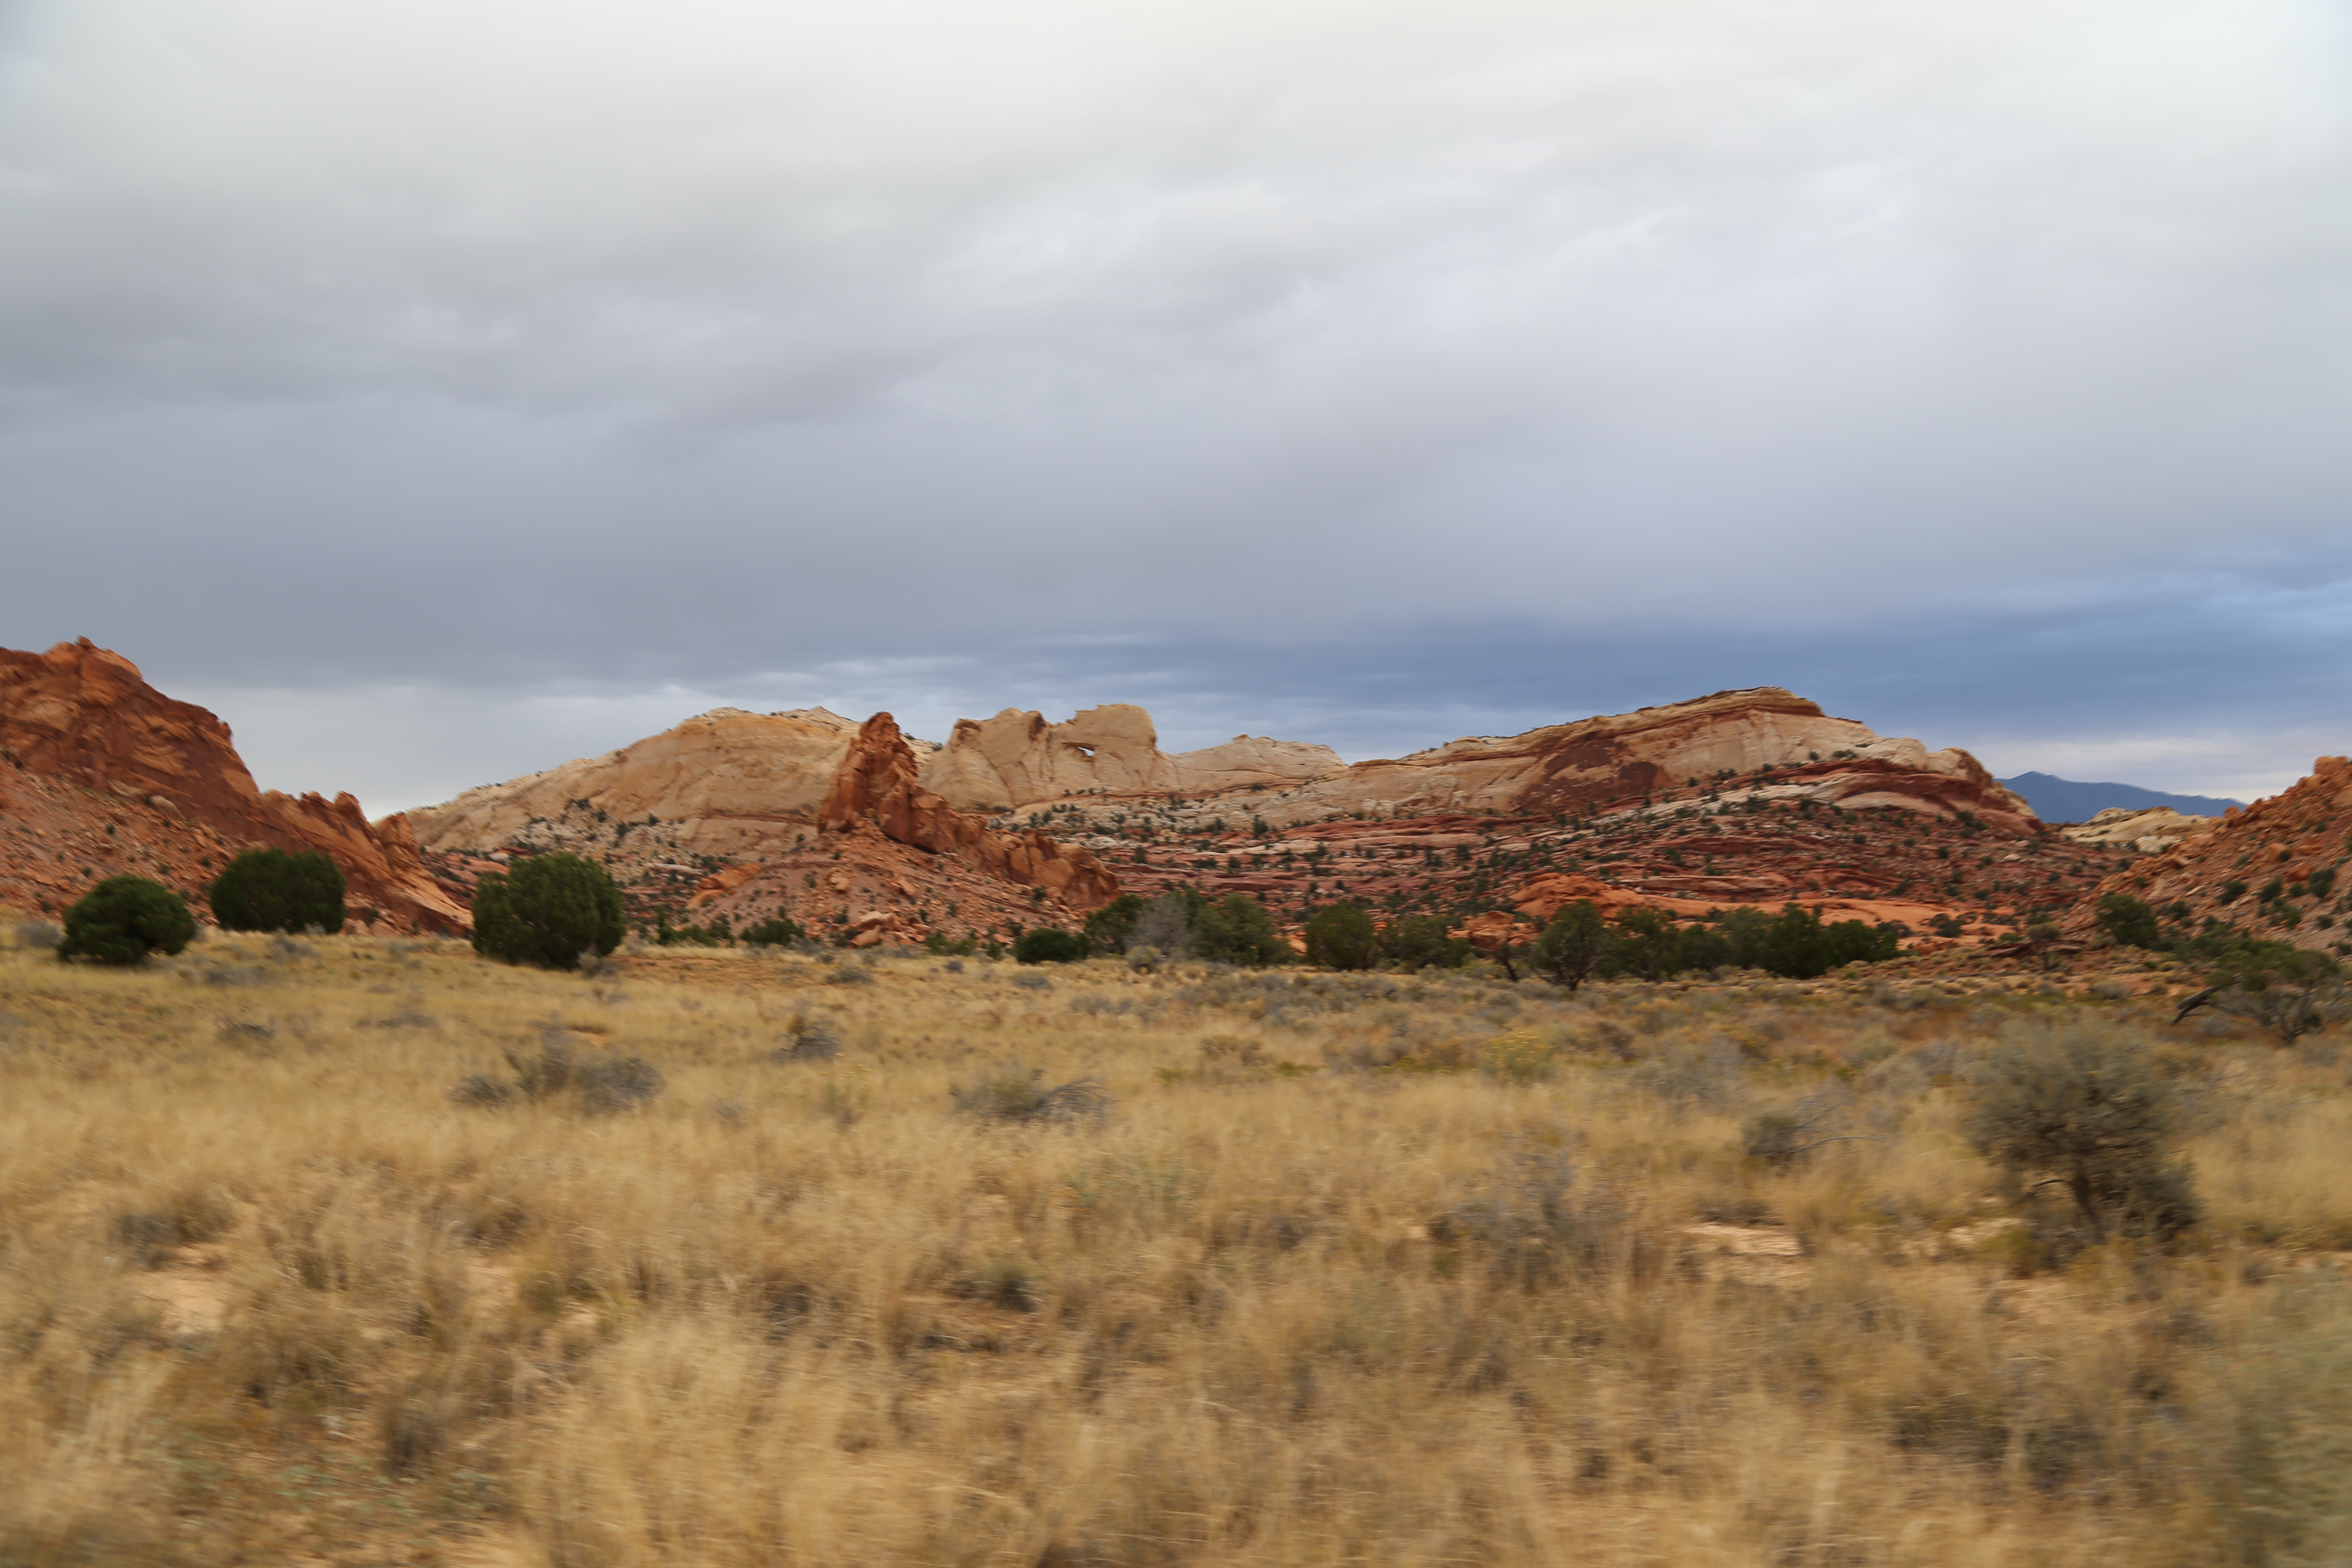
(440, 390)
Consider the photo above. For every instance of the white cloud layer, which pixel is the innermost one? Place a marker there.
(482, 351)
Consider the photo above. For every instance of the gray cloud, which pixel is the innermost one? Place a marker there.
(515, 372)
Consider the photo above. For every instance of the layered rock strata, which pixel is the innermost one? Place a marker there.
(1572, 768)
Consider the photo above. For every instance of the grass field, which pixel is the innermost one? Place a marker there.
(1364, 1269)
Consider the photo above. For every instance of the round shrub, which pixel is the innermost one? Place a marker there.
(1050, 944)
(551, 910)
(124, 918)
(779, 931)
(2087, 1113)
(272, 889)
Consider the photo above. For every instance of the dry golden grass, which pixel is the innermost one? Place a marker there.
(1355, 1271)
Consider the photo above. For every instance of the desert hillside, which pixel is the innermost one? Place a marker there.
(105, 774)
(1753, 796)
(2271, 870)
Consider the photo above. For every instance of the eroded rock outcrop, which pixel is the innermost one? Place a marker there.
(84, 717)
(879, 783)
(2148, 831)
(1017, 759)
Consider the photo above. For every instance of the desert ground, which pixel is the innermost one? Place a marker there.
(350, 1250)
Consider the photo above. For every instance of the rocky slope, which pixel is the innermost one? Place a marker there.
(2276, 869)
(108, 775)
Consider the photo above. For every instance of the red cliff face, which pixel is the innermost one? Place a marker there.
(111, 747)
(876, 783)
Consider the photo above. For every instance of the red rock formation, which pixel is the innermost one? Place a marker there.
(83, 716)
(2281, 840)
(877, 783)
(1772, 836)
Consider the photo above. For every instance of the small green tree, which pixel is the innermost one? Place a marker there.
(2042, 940)
(1646, 944)
(550, 910)
(2082, 1111)
(1422, 942)
(124, 918)
(1572, 943)
(1341, 936)
(1111, 928)
(1797, 945)
(273, 889)
(1050, 944)
(2129, 921)
(1236, 928)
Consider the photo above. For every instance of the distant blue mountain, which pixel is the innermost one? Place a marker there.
(2063, 800)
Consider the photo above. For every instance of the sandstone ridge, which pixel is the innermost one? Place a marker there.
(733, 784)
(132, 780)
(894, 862)
(730, 782)
(1611, 758)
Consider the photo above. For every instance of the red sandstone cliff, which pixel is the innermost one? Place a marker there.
(97, 748)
